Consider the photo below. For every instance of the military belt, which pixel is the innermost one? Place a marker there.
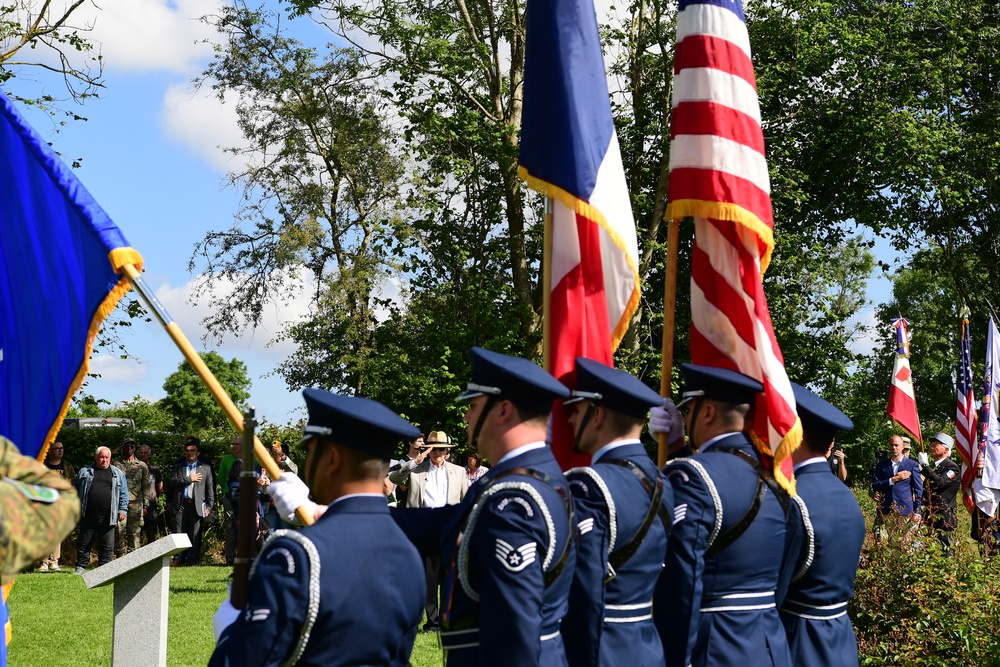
(813, 612)
(738, 602)
(453, 640)
(628, 613)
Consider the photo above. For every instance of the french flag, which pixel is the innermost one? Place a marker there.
(569, 152)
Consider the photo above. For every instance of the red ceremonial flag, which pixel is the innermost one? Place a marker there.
(718, 176)
(902, 407)
(569, 152)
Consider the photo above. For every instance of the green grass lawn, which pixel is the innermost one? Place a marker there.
(59, 623)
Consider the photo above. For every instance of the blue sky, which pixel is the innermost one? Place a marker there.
(151, 157)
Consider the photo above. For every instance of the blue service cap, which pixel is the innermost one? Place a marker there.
(517, 380)
(355, 422)
(613, 388)
(817, 413)
(718, 384)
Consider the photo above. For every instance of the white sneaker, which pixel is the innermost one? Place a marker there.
(44, 567)
(79, 570)
(54, 568)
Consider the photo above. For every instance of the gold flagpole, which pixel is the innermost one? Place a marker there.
(547, 286)
(206, 375)
(669, 301)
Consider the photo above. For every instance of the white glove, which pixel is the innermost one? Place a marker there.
(922, 457)
(225, 616)
(667, 420)
(290, 493)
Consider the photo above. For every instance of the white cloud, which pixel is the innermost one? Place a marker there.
(198, 120)
(189, 315)
(112, 369)
(151, 35)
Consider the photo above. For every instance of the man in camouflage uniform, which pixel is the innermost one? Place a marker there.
(38, 508)
(139, 490)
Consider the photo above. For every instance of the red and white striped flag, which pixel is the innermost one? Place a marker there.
(965, 420)
(718, 175)
(902, 406)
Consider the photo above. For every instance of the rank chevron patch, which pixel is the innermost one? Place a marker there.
(517, 559)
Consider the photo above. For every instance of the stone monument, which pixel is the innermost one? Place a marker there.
(141, 586)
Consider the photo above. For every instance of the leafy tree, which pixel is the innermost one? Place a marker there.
(147, 415)
(85, 405)
(47, 32)
(191, 404)
(320, 192)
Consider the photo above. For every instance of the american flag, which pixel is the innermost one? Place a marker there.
(965, 420)
(902, 405)
(718, 176)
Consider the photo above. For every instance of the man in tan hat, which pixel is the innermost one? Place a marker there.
(433, 482)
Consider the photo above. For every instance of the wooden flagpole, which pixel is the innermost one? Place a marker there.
(206, 375)
(547, 286)
(669, 303)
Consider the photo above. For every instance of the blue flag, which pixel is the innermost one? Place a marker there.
(59, 260)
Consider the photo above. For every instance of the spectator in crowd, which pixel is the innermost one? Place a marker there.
(838, 462)
(434, 482)
(140, 488)
(474, 468)
(943, 480)
(897, 487)
(54, 461)
(415, 454)
(228, 519)
(151, 519)
(233, 491)
(192, 495)
(103, 503)
(279, 452)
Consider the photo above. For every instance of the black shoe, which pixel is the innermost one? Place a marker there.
(429, 627)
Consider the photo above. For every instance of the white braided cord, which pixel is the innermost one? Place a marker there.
(608, 500)
(810, 539)
(470, 524)
(712, 491)
(312, 610)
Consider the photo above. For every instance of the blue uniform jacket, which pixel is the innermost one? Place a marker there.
(367, 615)
(815, 610)
(903, 497)
(721, 609)
(496, 546)
(609, 621)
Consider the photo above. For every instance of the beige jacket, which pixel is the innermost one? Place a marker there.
(416, 481)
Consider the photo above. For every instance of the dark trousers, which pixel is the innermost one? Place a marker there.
(104, 531)
(186, 520)
(149, 525)
(229, 521)
(432, 572)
